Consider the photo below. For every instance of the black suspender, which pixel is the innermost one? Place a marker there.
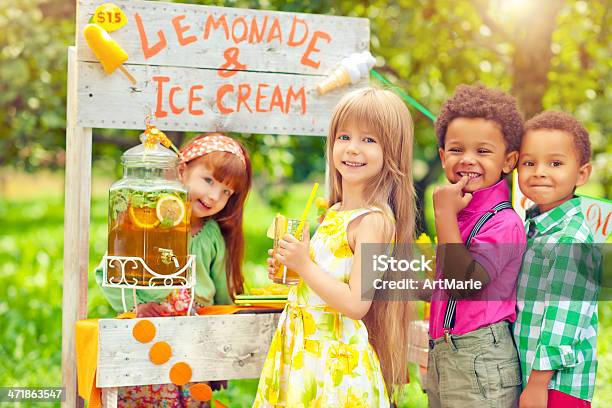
(451, 306)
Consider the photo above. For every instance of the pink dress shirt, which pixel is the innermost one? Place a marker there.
(499, 248)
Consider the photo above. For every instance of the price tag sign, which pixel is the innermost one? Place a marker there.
(109, 16)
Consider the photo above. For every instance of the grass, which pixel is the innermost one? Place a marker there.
(31, 265)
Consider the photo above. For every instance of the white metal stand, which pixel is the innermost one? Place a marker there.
(183, 278)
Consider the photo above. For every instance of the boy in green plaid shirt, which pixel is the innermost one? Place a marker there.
(556, 325)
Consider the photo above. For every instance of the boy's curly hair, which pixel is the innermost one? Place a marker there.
(478, 101)
(553, 120)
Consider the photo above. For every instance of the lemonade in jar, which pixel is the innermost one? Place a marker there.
(148, 218)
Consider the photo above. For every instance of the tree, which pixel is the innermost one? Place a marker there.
(33, 84)
(549, 54)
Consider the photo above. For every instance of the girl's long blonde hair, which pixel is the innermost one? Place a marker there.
(383, 113)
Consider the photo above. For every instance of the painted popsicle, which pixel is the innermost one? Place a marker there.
(108, 51)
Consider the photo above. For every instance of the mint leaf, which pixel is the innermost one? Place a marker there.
(151, 198)
(121, 205)
(138, 201)
(166, 223)
(118, 203)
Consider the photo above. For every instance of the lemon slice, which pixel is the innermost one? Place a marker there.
(282, 220)
(170, 208)
(143, 217)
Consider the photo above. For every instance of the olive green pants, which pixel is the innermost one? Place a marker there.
(476, 369)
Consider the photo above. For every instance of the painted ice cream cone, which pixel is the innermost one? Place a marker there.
(339, 78)
(351, 70)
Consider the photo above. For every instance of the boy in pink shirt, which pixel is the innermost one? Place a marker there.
(472, 360)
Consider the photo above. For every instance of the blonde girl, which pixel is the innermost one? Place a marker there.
(331, 348)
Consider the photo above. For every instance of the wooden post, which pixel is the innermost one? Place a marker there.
(76, 233)
(109, 397)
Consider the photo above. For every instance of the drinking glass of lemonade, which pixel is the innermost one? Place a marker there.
(283, 226)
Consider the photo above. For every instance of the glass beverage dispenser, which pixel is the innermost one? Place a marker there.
(148, 218)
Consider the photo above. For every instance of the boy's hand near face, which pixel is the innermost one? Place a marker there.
(449, 199)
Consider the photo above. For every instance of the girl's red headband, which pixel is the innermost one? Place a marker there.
(209, 144)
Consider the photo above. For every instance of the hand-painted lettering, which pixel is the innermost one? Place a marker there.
(275, 32)
(175, 110)
(292, 42)
(231, 65)
(159, 111)
(193, 98)
(180, 31)
(221, 92)
(210, 22)
(244, 31)
(312, 48)
(144, 42)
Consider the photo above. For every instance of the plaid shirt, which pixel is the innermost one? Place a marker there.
(556, 325)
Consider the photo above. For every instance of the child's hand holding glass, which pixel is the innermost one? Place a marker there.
(290, 252)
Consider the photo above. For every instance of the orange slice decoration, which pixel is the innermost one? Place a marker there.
(160, 353)
(201, 392)
(180, 374)
(143, 331)
(143, 217)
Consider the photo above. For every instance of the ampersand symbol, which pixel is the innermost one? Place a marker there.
(231, 61)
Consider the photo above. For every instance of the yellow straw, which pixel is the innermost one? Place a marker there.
(300, 227)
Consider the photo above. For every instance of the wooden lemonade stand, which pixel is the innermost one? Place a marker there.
(195, 68)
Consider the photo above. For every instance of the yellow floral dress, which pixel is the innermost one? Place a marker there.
(319, 357)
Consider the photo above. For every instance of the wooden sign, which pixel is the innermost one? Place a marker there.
(215, 347)
(596, 211)
(203, 68)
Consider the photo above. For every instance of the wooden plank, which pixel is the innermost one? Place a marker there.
(109, 397)
(76, 233)
(247, 102)
(330, 38)
(216, 348)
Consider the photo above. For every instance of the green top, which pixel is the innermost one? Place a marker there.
(556, 324)
(211, 285)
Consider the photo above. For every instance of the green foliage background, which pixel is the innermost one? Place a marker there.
(427, 47)
(552, 54)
